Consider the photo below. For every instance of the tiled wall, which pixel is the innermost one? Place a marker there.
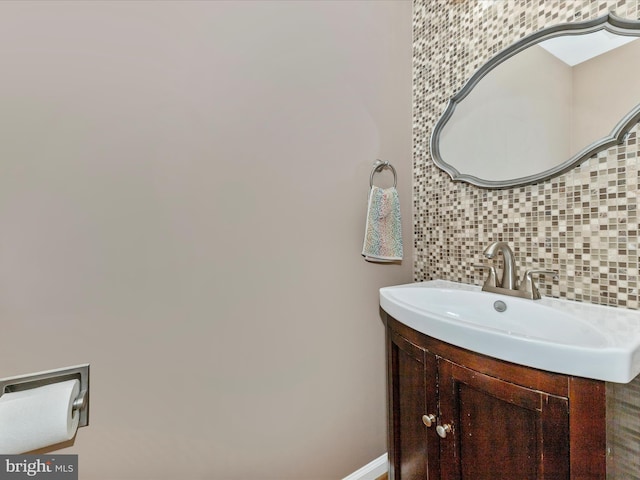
(583, 224)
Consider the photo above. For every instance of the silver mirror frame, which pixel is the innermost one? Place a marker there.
(610, 23)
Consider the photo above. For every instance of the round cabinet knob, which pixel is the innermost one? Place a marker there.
(429, 420)
(442, 430)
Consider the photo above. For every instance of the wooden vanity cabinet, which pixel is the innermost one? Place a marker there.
(498, 420)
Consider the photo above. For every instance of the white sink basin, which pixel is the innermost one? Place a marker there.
(562, 336)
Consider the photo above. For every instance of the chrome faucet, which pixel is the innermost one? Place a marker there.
(528, 287)
(508, 283)
(508, 279)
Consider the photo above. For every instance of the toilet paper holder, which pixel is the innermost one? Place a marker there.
(34, 380)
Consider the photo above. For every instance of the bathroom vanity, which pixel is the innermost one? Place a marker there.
(455, 414)
(485, 386)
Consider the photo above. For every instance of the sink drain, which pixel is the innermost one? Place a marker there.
(500, 306)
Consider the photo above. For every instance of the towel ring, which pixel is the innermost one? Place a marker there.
(378, 167)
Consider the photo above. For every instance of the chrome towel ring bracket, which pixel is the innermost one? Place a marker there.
(380, 165)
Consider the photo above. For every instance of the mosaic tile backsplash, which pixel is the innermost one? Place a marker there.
(583, 224)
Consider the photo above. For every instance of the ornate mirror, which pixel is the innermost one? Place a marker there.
(543, 105)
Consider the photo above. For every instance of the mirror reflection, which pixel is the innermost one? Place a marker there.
(543, 110)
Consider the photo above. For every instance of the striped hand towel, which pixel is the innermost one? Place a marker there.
(383, 232)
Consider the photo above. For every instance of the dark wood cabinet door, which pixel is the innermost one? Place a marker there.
(413, 447)
(500, 429)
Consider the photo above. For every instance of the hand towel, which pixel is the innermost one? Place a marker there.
(383, 232)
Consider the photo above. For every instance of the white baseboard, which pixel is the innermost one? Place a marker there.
(371, 470)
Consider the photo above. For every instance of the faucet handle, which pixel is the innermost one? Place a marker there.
(492, 279)
(528, 286)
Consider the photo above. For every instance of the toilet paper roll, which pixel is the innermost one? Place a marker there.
(39, 417)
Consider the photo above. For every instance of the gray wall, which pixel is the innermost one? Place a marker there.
(182, 196)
